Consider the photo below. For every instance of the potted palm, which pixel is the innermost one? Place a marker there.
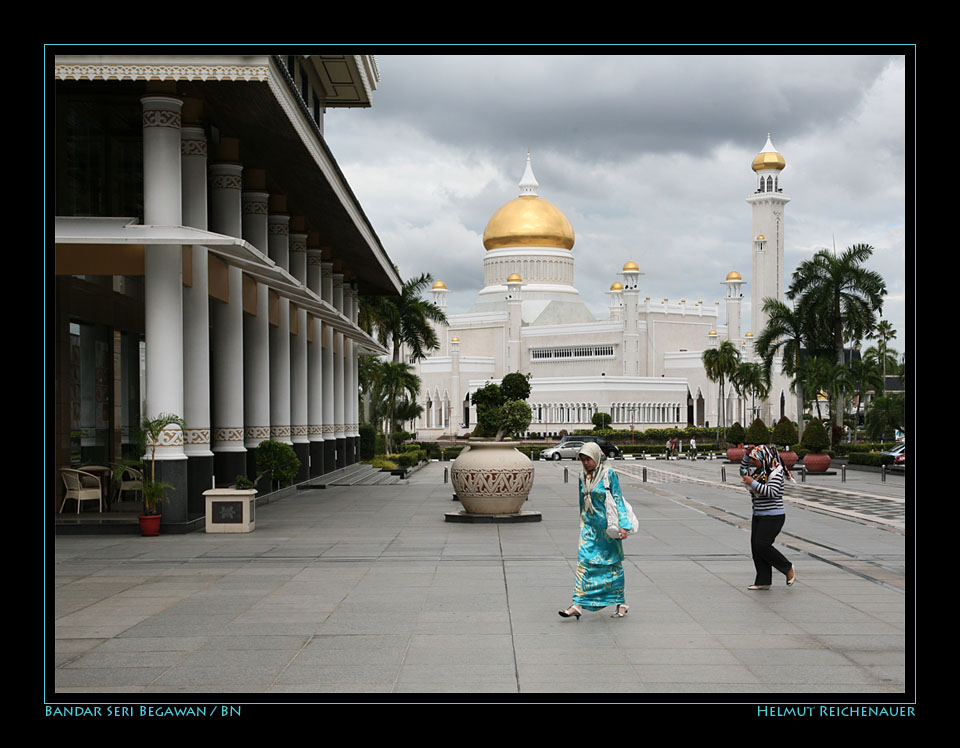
(493, 477)
(154, 491)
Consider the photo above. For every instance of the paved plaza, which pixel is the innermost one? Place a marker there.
(366, 589)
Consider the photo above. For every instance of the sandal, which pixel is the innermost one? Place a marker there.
(622, 610)
(573, 610)
(759, 587)
(791, 576)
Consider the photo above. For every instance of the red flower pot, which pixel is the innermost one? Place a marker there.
(789, 459)
(149, 524)
(735, 454)
(816, 463)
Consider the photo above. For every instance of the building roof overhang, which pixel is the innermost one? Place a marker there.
(75, 233)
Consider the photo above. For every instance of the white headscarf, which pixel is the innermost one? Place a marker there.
(592, 480)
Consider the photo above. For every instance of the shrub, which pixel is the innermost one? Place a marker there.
(758, 433)
(276, 461)
(368, 440)
(785, 433)
(876, 459)
(601, 421)
(736, 434)
(815, 437)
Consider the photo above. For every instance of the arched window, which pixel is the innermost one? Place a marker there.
(769, 184)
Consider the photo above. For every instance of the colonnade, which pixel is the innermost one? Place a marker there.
(238, 359)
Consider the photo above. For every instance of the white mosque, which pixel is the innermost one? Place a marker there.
(642, 364)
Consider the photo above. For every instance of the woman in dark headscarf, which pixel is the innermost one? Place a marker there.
(764, 473)
(600, 554)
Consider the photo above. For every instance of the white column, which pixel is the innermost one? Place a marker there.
(298, 380)
(227, 318)
(338, 383)
(329, 429)
(256, 329)
(278, 242)
(315, 354)
(163, 268)
(196, 307)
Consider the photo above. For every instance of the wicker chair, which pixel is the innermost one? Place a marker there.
(81, 487)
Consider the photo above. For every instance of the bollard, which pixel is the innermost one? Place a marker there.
(883, 473)
(445, 472)
(843, 473)
(566, 475)
(803, 473)
(723, 474)
(644, 473)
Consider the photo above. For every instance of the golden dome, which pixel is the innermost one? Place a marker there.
(514, 278)
(733, 275)
(631, 266)
(712, 332)
(748, 335)
(528, 221)
(768, 158)
(439, 284)
(454, 340)
(616, 286)
(761, 238)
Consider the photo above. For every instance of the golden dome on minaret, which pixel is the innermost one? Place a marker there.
(528, 220)
(733, 275)
(768, 158)
(514, 278)
(439, 284)
(631, 266)
(616, 286)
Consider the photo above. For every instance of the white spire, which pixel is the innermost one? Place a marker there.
(768, 148)
(528, 182)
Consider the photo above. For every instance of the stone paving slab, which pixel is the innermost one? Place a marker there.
(366, 590)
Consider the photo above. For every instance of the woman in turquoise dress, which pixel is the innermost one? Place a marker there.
(600, 557)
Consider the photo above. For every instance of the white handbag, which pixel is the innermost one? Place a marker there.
(613, 515)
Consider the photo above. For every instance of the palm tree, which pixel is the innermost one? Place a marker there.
(866, 377)
(783, 337)
(720, 364)
(883, 333)
(752, 379)
(404, 319)
(843, 294)
(395, 384)
(882, 359)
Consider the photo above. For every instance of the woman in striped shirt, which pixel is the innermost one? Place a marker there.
(763, 474)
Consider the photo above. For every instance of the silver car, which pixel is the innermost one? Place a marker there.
(569, 450)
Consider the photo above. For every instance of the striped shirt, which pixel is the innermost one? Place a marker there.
(767, 497)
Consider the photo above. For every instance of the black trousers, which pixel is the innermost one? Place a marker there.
(763, 532)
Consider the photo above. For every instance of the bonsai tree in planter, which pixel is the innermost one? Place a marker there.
(815, 441)
(785, 434)
(276, 461)
(600, 421)
(502, 408)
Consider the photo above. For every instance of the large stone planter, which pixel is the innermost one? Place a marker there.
(816, 463)
(231, 510)
(492, 478)
(735, 454)
(789, 459)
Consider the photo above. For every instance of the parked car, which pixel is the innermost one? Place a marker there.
(900, 460)
(569, 450)
(897, 450)
(610, 449)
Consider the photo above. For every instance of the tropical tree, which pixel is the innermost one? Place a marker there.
(882, 360)
(783, 337)
(752, 379)
(403, 320)
(866, 378)
(842, 294)
(886, 416)
(883, 333)
(720, 363)
(395, 384)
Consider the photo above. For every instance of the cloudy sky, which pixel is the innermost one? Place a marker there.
(648, 156)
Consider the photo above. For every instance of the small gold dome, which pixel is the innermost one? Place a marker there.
(768, 158)
(439, 284)
(748, 335)
(712, 332)
(514, 278)
(733, 275)
(528, 221)
(631, 266)
(616, 286)
(454, 340)
(761, 238)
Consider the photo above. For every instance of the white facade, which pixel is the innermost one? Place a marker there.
(642, 364)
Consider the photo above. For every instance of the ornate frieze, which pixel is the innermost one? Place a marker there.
(196, 436)
(161, 118)
(257, 432)
(227, 434)
(226, 182)
(128, 71)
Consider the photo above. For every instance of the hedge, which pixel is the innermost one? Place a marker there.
(876, 459)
